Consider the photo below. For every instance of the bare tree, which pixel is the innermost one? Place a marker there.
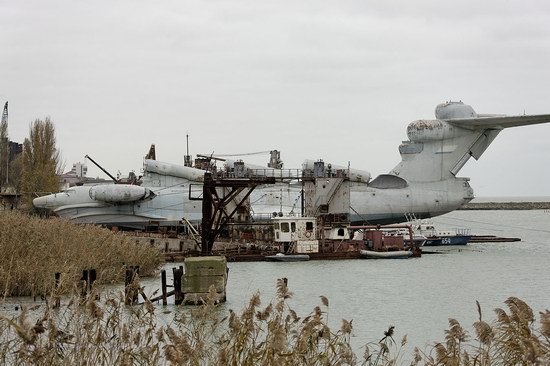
(4, 152)
(40, 160)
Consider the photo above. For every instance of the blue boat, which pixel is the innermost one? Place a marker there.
(436, 237)
(447, 240)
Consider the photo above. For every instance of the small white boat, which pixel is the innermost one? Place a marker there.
(392, 254)
(280, 257)
(418, 240)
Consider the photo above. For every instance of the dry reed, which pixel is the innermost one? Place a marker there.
(33, 249)
(107, 332)
(91, 332)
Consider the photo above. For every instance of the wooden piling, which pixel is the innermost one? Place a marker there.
(84, 284)
(168, 294)
(89, 276)
(163, 287)
(92, 277)
(131, 285)
(178, 295)
(57, 298)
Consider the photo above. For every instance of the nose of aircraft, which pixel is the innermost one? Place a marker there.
(40, 202)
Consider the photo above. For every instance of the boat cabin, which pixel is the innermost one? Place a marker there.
(428, 229)
(337, 233)
(296, 234)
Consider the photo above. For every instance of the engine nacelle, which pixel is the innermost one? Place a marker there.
(433, 130)
(161, 168)
(451, 110)
(119, 193)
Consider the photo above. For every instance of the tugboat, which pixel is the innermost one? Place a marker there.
(296, 237)
(297, 240)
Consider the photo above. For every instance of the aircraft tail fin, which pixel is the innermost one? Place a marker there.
(438, 149)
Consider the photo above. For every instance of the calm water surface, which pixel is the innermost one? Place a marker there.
(416, 295)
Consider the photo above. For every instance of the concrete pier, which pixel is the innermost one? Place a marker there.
(506, 206)
(200, 274)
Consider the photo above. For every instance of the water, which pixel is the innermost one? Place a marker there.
(416, 295)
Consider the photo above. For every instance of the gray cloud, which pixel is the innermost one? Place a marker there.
(338, 80)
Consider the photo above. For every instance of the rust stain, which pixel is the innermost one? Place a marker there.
(419, 128)
(425, 124)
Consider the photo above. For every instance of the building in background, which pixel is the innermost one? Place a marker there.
(76, 176)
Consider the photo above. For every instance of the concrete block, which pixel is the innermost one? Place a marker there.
(196, 284)
(200, 298)
(206, 266)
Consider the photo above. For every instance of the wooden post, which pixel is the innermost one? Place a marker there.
(84, 284)
(131, 284)
(92, 277)
(163, 287)
(57, 299)
(127, 282)
(178, 273)
(89, 276)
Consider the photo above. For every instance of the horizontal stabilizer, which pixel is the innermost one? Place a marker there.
(499, 122)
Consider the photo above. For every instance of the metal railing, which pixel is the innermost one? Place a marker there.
(282, 174)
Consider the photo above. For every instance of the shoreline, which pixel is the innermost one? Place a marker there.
(506, 206)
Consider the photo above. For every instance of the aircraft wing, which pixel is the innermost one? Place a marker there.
(500, 122)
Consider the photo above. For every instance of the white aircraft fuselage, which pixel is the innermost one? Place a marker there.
(423, 200)
(423, 184)
(164, 201)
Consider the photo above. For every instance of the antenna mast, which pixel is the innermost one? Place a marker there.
(187, 158)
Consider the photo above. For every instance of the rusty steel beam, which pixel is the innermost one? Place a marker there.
(214, 205)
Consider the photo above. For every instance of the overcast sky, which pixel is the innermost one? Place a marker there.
(337, 80)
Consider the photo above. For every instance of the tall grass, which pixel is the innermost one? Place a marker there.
(513, 339)
(34, 249)
(108, 333)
